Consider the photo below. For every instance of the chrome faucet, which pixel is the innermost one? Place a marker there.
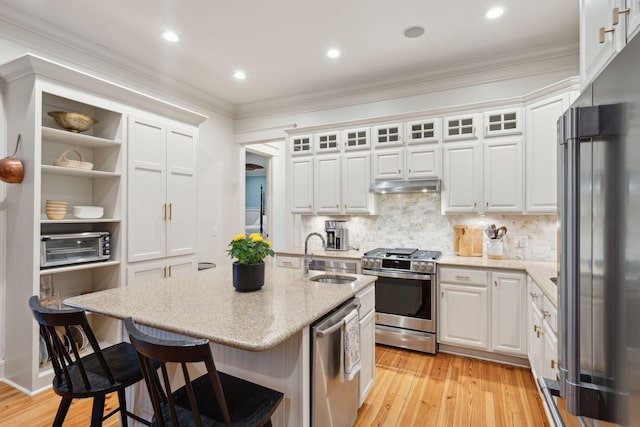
(306, 261)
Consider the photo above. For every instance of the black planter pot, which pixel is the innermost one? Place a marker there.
(248, 277)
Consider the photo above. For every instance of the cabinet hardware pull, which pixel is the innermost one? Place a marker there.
(495, 282)
(616, 14)
(474, 204)
(164, 211)
(535, 328)
(409, 170)
(487, 204)
(533, 295)
(164, 272)
(170, 211)
(169, 271)
(539, 332)
(337, 206)
(345, 206)
(545, 314)
(553, 364)
(399, 170)
(603, 31)
(442, 294)
(463, 277)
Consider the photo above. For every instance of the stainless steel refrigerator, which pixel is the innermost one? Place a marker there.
(599, 251)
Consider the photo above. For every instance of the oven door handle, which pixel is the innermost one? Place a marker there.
(394, 275)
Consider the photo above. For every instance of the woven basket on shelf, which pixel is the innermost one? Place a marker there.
(67, 163)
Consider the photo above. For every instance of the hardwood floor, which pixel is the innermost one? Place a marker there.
(415, 389)
(411, 389)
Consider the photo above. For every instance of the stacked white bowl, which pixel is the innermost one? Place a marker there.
(56, 209)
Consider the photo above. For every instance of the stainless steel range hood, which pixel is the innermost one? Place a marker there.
(417, 186)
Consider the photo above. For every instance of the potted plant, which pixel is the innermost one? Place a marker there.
(249, 253)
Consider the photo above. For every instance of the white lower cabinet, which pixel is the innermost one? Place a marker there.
(474, 314)
(542, 338)
(288, 261)
(160, 269)
(367, 343)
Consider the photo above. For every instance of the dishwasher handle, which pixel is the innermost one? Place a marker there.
(338, 324)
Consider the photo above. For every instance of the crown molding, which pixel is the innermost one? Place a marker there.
(559, 58)
(65, 48)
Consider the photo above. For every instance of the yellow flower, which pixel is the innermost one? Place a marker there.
(268, 243)
(238, 237)
(255, 237)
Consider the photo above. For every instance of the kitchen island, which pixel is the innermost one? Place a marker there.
(261, 336)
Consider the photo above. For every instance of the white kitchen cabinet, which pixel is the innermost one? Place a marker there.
(302, 185)
(366, 313)
(356, 197)
(160, 269)
(388, 164)
(633, 18)
(327, 142)
(508, 303)
(550, 360)
(356, 139)
(542, 333)
(541, 153)
(301, 145)
(327, 183)
(162, 189)
(600, 40)
(503, 122)
(462, 178)
(389, 135)
(423, 131)
(462, 127)
(503, 169)
(423, 161)
(463, 308)
(284, 261)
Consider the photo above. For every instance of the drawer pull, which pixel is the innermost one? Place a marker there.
(442, 294)
(601, 34)
(535, 328)
(463, 277)
(553, 364)
(495, 282)
(539, 332)
(533, 295)
(546, 314)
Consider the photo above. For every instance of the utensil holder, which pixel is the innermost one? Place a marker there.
(495, 249)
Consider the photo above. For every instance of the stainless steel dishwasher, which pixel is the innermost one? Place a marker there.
(333, 403)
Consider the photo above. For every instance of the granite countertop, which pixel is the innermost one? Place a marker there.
(206, 305)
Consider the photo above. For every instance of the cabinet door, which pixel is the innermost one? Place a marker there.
(463, 127)
(301, 145)
(182, 154)
(503, 122)
(147, 190)
(327, 142)
(633, 20)
(423, 161)
(503, 176)
(327, 184)
(550, 359)
(541, 153)
(462, 178)
(302, 185)
(597, 51)
(421, 131)
(509, 308)
(148, 270)
(464, 316)
(387, 135)
(536, 352)
(181, 266)
(388, 164)
(356, 181)
(356, 139)
(367, 356)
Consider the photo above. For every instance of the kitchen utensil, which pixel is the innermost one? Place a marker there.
(490, 233)
(73, 122)
(68, 163)
(501, 232)
(88, 212)
(11, 169)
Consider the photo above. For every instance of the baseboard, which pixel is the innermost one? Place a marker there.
(1, 369)
(522, 362)
(22, 389)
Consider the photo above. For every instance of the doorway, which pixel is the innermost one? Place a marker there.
(256, 194)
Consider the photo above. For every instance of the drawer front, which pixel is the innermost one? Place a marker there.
(535, 295)
(288, 261)
(463, 275)
(550, 313)
(367, 299)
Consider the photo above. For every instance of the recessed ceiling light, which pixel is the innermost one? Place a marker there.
(333, 53)
(413, 32)
(170, 36)
(240, 75)
(494, 13)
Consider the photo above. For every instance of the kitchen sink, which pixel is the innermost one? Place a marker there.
(333, 278)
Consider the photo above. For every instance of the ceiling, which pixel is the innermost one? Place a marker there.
(281, 44)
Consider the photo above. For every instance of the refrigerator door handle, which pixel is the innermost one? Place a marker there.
(549, 389)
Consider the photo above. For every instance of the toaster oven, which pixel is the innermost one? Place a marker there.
(75, 248)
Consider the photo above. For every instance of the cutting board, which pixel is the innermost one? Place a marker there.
(467, 240)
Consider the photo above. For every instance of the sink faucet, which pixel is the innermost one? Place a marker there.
(307, 261)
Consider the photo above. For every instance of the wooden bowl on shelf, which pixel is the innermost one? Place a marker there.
(73, 122)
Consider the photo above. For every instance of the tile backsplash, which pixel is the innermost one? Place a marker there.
(415, 220)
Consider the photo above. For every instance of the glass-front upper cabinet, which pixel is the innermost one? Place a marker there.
(503, 122)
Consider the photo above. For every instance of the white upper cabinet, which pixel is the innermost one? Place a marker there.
(503, 176)
(327, 184)
(462, 178)
(302, 185)
(423, 131)
(387, 135)
(388, 164)
(301, 145)
(327, 142)
(356, 139)
(503, 122)
(162, 190)
(600, 39)
(356, 179)
(541, 153)
(462, 127)
(423, 161)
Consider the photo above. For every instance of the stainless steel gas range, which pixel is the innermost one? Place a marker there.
(405, 296)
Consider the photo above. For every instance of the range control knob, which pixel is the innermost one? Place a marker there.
(430, 267)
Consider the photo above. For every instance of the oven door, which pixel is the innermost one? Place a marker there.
(405, 300)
